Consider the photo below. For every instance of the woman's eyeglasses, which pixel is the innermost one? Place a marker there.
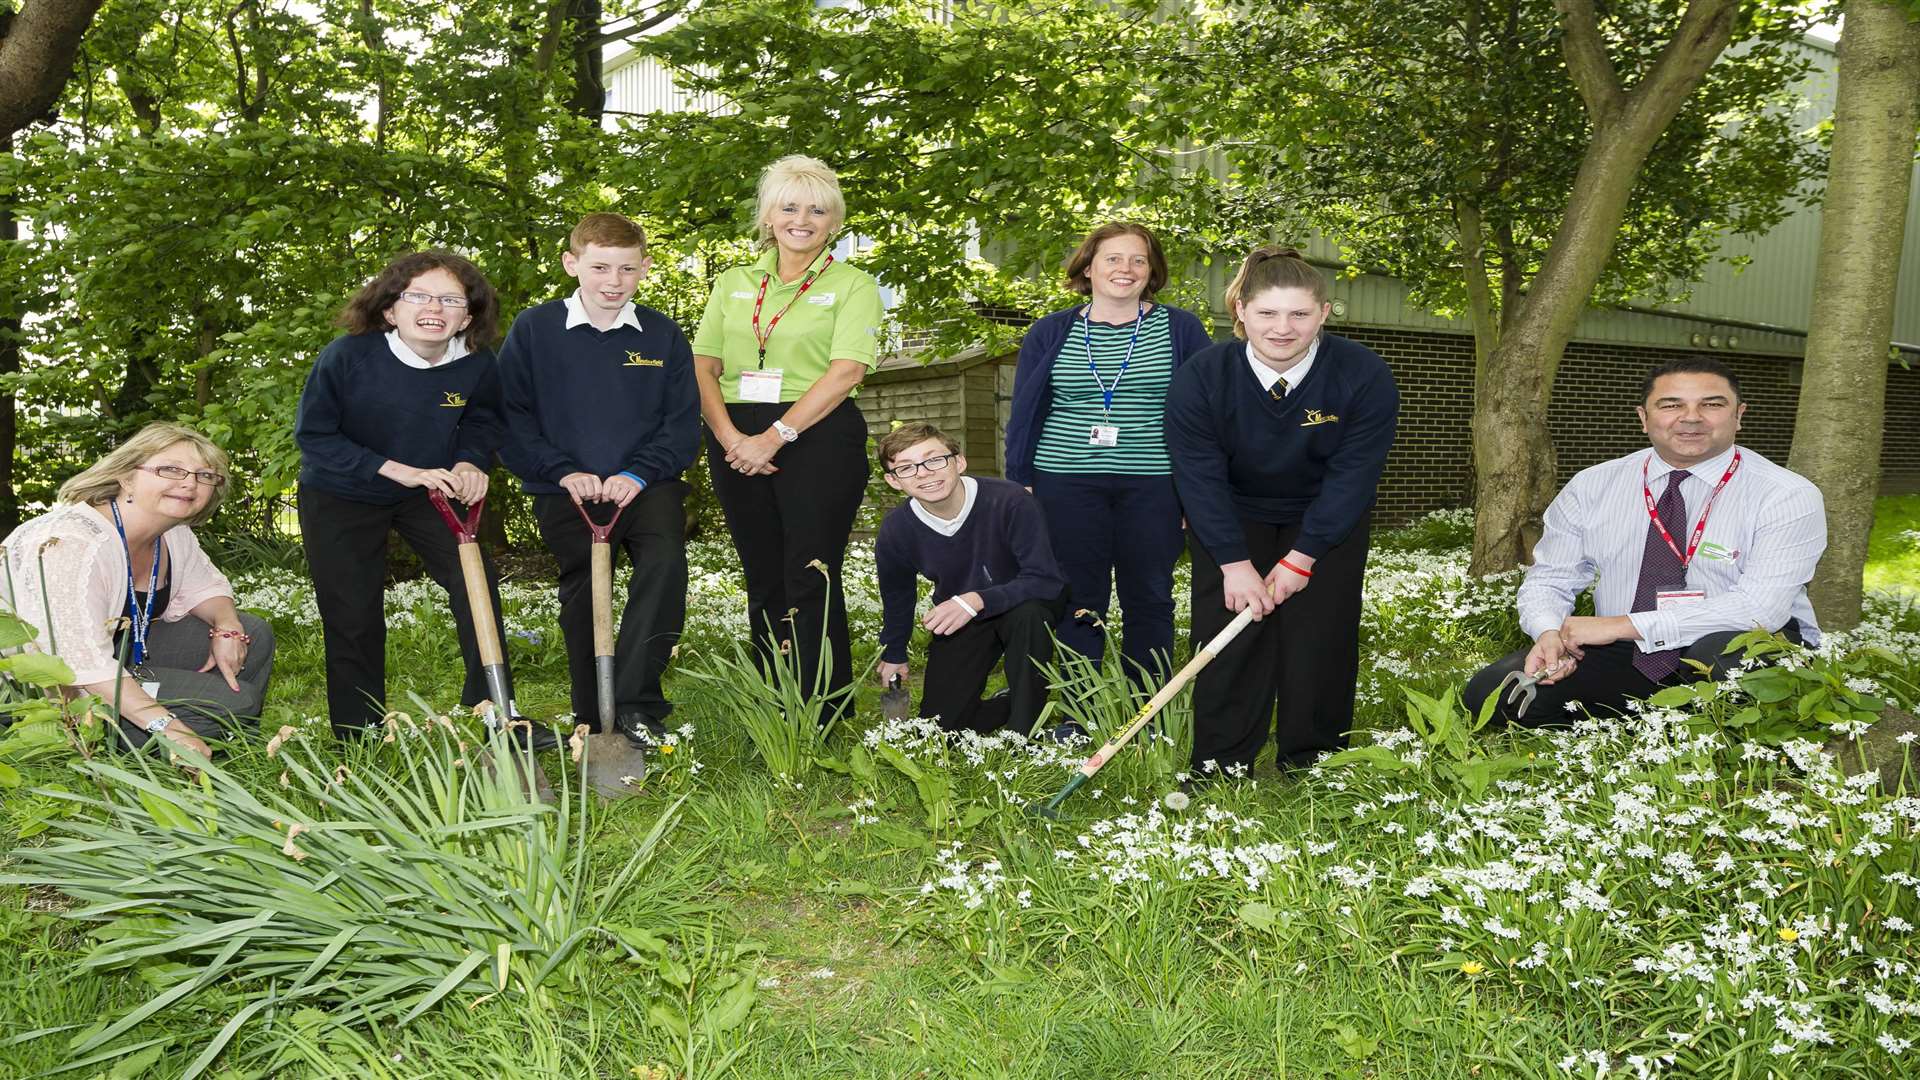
(423, 299)
(174, 472)
(932, 464)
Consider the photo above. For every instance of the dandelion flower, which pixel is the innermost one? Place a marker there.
(1472, 967)
(1177, 800)
(1789, 934)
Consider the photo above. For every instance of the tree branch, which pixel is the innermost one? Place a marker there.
(1587, 61)
(37, 47)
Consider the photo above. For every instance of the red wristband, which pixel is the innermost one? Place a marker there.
(1295, 569)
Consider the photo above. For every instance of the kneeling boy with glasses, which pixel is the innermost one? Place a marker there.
(997, 590)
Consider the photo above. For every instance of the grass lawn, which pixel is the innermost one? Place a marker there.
(1641, 899)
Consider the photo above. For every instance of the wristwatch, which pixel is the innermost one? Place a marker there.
(158, 724)
(787, 432)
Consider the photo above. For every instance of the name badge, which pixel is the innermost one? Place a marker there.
(1663, 601)
(1103, 435)
(824, 299)
(152, 688)
(761, 385)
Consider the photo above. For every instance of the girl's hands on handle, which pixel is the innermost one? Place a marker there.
(443, 481)
(1244, 590)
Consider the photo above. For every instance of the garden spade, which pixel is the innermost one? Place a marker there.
(602, 611)
(614, 767)
(493, 659)
(894, 700)
(1147, 712)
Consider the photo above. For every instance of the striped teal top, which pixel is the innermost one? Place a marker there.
(1139, 401)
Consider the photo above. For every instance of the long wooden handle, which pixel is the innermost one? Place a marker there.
(480, 603)
(602, 599)
(1167, 693)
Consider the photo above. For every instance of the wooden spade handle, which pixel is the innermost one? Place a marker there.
(474, 571)
(602, 599)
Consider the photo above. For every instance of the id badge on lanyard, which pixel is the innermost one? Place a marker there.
(1107, 434)
(761, 384)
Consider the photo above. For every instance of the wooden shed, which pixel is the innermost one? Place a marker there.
(966, 395)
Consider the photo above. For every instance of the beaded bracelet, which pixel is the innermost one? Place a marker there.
(245, 638)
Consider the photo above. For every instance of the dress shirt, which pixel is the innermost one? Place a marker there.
(1764, 536)
(577, 314)
(1293, 376)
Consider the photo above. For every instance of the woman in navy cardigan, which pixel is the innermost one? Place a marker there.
(1086, 435)
(1278, 442)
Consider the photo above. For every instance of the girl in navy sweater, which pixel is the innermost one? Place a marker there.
(405, 403)
(1085, 436)
(1278, 442)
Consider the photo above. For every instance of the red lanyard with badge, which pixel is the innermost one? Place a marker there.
(1693, 542)
(761, 338)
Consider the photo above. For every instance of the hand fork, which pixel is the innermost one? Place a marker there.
(1520, 687)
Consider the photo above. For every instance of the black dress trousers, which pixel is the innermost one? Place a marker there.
(1303, 659)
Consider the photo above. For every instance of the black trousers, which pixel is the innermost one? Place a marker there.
(958, 665)
(652, 530)
(346, 544)
(1304, 658)
(783, 523)
(1603, 681)
(1111, 534)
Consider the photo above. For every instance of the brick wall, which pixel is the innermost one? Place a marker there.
(1591, 417)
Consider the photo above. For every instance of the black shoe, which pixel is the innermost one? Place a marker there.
(643, 732)
(1071, 731)
(532, 733)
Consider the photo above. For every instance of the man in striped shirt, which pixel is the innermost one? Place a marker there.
(1693, 542)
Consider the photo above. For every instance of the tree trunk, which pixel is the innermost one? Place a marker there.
(1513, 456)
(9, 364)
(37, 46)
(589, 97)
(1837, 428)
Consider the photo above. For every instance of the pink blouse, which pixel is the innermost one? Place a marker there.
(86, 576)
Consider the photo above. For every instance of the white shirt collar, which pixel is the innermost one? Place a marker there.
(1294, 375)
(942, 525)
(1709, 470)
(456, 348)
(577, 314)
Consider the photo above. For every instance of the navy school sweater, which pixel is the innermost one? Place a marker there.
(593, 401)
(1002, 553)
(362, 407)
(1313, 458)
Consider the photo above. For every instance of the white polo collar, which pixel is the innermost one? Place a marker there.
(577, 314)
(456, 348)
(941, 525)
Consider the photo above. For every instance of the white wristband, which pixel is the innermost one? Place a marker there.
(787, 432)
(966, 607)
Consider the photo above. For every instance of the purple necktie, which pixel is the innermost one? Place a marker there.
(1661, 571)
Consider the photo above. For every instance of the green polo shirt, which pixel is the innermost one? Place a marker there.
(838, 319)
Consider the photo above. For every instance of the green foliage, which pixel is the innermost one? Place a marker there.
(1447, 739)
(375, 891)
(784, 710)
(1786, 692)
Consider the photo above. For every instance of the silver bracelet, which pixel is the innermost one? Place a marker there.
(158, 724)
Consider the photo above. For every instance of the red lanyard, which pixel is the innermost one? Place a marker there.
(1693, 542)
(762, 298)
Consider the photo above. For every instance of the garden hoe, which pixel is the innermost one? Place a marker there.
(614, 767)
(1051, 809)
(486, 631)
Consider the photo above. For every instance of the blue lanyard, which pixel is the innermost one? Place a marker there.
(140, 619)
(1086, 338)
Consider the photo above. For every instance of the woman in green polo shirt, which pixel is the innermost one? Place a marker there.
(781, 348)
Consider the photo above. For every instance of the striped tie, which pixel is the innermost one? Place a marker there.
(1661, 571)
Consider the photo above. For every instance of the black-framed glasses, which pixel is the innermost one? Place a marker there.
(451, 300)
(932, 464)
(175, 472)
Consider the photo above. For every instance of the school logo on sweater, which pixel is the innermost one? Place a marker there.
(455, 400)
(634, 359)
(1315, 418)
